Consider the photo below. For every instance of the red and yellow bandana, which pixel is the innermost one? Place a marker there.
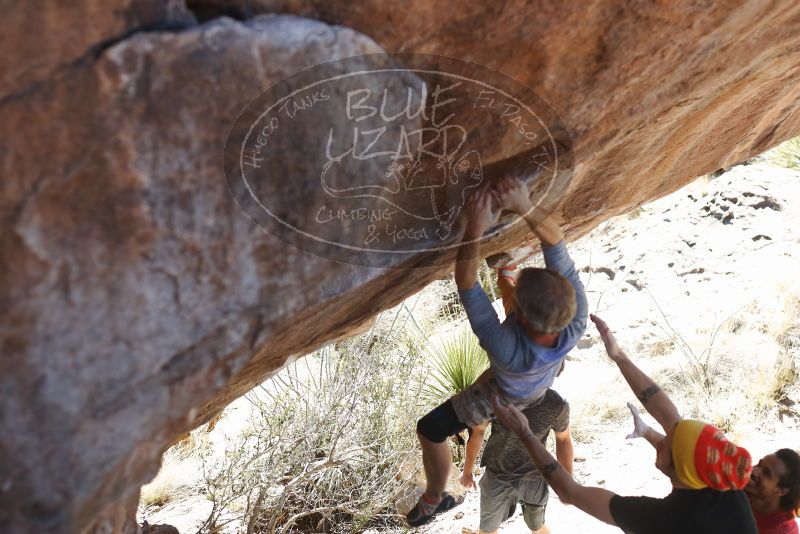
(704, 458)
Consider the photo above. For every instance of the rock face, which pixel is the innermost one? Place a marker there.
(138, 299)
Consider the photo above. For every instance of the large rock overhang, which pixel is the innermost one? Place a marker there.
(139, 298)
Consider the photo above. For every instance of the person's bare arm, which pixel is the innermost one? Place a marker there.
(593, 501)
(547, 230)
(471, 455)
(513, 195)
(564, 450)
(480, 216)
(467, 263)
(649, 394)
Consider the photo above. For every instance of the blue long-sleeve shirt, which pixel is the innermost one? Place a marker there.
(522, 368)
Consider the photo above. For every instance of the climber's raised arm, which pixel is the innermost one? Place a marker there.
(513, 194)
(657, 402)
(480, 216)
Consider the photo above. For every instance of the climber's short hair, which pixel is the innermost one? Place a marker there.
(545, 299)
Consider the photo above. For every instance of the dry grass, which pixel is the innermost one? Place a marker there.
(745, 382)
(662, 347)
(787, 329)
(635, 213)
(177, 477)
(787, 154)
(596, 394)
(754, 369)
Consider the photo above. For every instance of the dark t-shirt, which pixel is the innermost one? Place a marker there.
(685, 511)
(506, 456)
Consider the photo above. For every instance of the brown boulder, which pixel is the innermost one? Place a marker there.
(137, 297)
(42, 42)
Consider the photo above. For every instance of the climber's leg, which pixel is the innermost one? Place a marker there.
(436, 462)
(433, 431)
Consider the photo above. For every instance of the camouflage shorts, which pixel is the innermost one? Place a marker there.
(473, 407)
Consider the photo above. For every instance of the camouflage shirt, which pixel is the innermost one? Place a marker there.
(506, 456)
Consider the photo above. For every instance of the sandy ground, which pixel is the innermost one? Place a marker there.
(707, 271)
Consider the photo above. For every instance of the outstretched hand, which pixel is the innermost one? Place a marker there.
(511, 418)
(481, 211)
(513, 195)
(612, 347)
(640, 428)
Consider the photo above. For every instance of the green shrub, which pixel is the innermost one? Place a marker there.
(456, 361)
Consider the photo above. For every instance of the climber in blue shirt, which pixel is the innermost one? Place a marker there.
(525, 351)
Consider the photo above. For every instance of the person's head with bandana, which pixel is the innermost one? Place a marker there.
(697, 455)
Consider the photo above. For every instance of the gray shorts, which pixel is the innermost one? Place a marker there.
(472, 405)
(498, 496)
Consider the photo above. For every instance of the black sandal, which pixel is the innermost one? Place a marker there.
(416, 517)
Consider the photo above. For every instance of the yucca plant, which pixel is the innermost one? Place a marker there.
(456, 361)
